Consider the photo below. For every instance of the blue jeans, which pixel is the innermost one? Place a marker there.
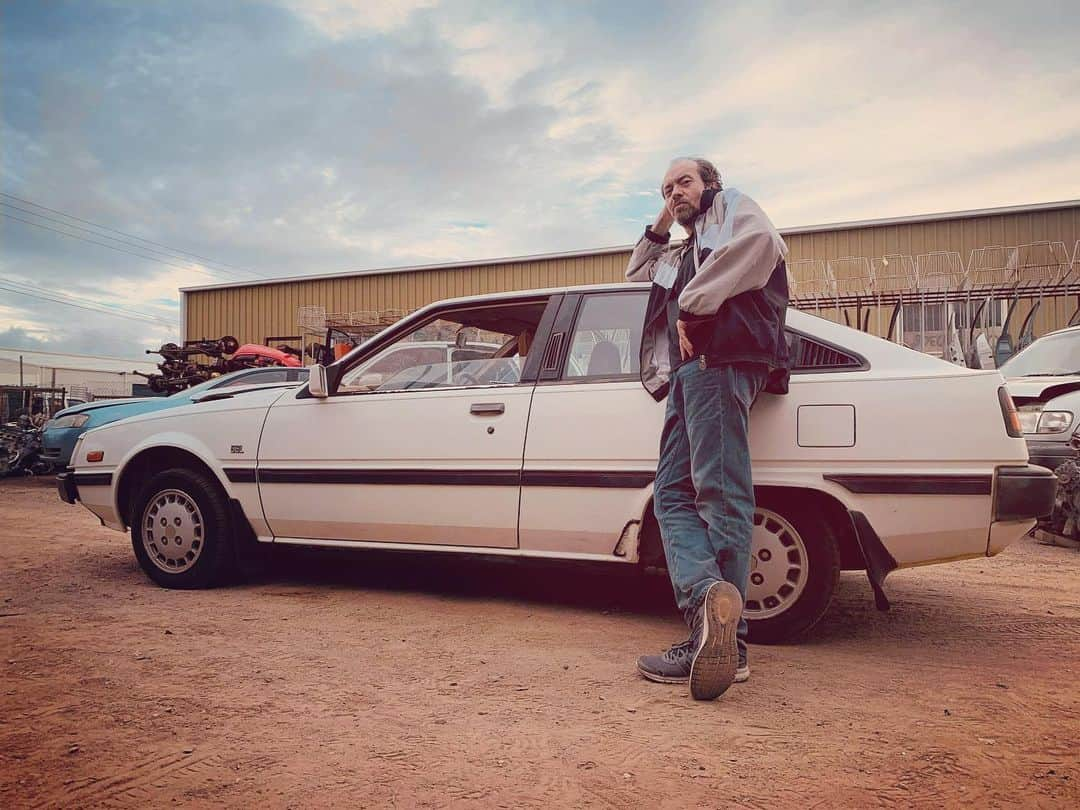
(704, 492)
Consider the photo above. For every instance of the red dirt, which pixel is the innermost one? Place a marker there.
(392, 680)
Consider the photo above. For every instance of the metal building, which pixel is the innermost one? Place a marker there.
(856, 262)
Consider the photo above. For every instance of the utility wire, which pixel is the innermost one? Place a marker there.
(77, 306)
(124, 233)
(104, 244)
(110, 238)
(34, 288)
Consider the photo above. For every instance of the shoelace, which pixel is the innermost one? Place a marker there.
(677, 652)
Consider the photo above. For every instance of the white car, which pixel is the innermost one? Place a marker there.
(878, 458)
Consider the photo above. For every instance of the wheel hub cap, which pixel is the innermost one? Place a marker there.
(778, 566)
(172, 531)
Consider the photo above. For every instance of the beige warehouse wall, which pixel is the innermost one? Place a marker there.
(255, 312)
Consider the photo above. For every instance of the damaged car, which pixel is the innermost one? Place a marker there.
(541, 442)
(1044, 382)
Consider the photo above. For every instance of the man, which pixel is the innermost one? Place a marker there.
(713, 339)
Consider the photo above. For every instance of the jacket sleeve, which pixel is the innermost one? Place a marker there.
(743, 263)
(648, 250)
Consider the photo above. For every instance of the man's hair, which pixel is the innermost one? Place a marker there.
(710, 176)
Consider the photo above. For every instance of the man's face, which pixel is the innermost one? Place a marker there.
(682, 189)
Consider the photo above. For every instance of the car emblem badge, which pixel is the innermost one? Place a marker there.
(236, 448)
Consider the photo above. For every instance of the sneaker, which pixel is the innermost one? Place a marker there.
(671, 666)
(716, 655)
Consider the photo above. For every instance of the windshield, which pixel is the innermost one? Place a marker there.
(203, 386)
(1053, 355)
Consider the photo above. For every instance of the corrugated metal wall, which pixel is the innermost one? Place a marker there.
(256, 312)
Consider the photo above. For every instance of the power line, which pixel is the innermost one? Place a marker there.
(81, 299)
(103, 236)
(103, 244)
(124, 233)
(79, 306)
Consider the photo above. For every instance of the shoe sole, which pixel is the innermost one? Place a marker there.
(741, 676)
(652, 676)
(713, 668)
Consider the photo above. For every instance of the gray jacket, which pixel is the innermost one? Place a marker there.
(738, 251)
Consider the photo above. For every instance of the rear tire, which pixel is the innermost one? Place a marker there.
(181, 532)
(794, 568)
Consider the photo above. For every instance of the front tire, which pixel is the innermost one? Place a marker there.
(181, 532)
(794, 569)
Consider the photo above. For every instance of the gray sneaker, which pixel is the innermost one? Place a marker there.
(671, 666)
(716, 654)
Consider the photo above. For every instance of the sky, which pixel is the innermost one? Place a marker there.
(268, 139)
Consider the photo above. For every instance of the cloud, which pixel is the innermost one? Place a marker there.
(338, 19)
(303, 137)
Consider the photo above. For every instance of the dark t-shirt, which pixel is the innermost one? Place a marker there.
(682, 278)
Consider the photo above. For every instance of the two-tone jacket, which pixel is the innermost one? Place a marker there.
(735, 301)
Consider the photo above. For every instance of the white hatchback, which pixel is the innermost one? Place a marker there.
(538, 440)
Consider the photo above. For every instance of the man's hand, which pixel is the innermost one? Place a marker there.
(686, 348)
(663, 222)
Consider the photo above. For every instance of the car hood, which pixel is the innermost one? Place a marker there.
(108, 403)
(239, 398)
(1032, 389)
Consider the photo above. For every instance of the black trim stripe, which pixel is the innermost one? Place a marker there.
(611, 479)
(476, 478)
(93, 479)
(914, 484)
(608, 479)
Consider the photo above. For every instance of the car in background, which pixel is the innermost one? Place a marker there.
(64, 429)
(1044, 382)
(547, 448)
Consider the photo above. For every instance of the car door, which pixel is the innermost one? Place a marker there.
(594, 431)
(429, 455)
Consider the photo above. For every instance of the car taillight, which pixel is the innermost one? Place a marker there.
(1010, 414)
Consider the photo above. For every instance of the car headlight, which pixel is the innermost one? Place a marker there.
(73, 421)
(1054, 421)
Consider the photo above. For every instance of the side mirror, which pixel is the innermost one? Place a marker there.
(317, 386)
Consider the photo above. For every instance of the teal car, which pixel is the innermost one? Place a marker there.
(63, 430)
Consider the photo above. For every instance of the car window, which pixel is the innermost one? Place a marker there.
(481, 346)
(607, 336)
(809, 355)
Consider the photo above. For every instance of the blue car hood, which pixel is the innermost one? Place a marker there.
(122, 407)
(108, 403)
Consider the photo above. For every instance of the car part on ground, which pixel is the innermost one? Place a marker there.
(20, 448)
(1064, 523)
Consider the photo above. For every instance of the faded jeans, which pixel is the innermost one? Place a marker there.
(704, 493)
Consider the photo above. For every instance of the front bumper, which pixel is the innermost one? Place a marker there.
(1049, 454)
(1023, 493)
(65, 487)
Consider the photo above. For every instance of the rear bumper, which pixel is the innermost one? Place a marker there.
(65, 487)
(1023, 493)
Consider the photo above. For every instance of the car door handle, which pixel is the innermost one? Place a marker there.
(487, 408)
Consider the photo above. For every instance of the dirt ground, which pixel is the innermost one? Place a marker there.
(392, 680)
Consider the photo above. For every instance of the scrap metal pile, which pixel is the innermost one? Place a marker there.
(20, 447)
(199, 360)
